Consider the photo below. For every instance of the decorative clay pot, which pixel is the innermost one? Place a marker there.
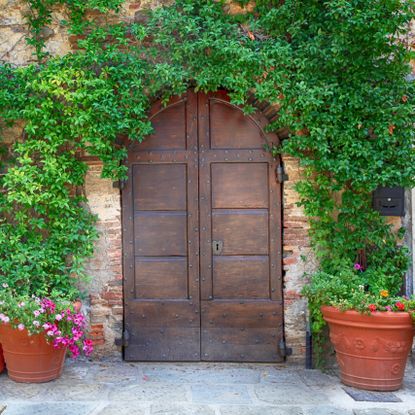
(2, 364)
(371, 350)
(30, 359)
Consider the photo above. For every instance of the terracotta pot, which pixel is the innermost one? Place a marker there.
(371, 350)
(2, 364)
(30, 359)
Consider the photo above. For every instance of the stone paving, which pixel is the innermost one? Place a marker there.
(122, 388)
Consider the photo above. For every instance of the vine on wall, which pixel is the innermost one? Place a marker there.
(336, 69)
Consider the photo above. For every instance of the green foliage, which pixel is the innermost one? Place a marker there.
(39, 16)
(337, 70)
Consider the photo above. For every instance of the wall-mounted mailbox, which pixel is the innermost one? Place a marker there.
(389, 201)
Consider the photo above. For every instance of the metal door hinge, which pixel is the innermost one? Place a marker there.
(283, 350)
(124, 339)
(280, 174)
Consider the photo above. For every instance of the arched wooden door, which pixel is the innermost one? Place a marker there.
(202, 237)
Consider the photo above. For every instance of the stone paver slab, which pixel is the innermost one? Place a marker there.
(123, 408)
(163, 392)
(88, 391)
(313, 377)
(180, 409)
(220, 394)
(281, 376)
(280, 394)
(212, 374)
(123, 373)
(76, 371)
(376, 411)
(259, 410)
(10, 390)
(328, 410)
(52, 408)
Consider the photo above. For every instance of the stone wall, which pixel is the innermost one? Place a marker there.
(106, 291)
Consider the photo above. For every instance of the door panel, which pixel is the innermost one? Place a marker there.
(240, 277)
(149, 241)
(239, 185)
(160, 239)
(245, 231)
(201, 237)
(163, 277)
(241, 316)
(160, 187)
(232, 129)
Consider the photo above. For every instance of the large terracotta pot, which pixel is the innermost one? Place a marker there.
(2, 364)
(371, 350)
(30, 359)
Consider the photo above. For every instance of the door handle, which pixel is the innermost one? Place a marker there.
(217, 247)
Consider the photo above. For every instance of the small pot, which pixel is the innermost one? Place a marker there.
(30, 359)
(371, 350)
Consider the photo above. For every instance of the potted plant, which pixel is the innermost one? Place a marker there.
(371, 330)
(36, 333)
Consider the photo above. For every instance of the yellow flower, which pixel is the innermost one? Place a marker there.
(384, 293)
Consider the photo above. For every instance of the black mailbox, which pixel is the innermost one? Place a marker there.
(389, 201)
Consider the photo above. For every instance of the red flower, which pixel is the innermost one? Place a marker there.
(400, 306)
(372, 307)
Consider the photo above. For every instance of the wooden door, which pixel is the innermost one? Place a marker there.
(241, 305)
(161, 238)
(202, 237)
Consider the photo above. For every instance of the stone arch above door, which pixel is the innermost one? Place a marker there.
(202, 236)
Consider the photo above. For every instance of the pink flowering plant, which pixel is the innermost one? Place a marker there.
(55, 318)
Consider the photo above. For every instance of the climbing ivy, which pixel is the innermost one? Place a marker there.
(337, 70)
(40, 12)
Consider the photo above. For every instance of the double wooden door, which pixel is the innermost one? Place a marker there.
(202, 237)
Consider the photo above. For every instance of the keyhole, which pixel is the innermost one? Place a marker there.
(217, 246)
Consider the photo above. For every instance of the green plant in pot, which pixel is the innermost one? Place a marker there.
(370, 327)
(37, 332)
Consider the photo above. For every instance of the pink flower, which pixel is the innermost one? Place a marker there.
(5, 319)
(88, 347)
(5, 285)
(388, 308)
(20, 326)
(22, 304)
(46, 326)
(36, 323)
(48, 305)
(36, 313)
(50, 333)
(358, 267)
(77, 334)
(79, 320)
(58, 317)
(74, 350)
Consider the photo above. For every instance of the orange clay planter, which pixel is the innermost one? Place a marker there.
(371, 350)
(2, 364)
(30, 359)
